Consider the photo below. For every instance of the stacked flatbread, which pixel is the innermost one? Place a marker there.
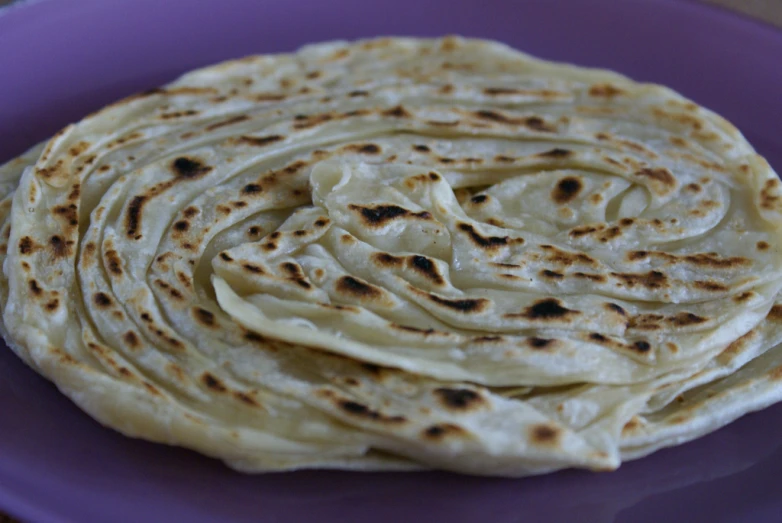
(396, 254)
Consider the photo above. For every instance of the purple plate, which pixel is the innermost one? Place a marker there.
(61, 60)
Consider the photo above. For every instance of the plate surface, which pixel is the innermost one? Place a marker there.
(61, 60)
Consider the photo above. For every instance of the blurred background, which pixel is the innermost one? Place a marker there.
(768, 11)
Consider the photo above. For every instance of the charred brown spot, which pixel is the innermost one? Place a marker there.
(556, 153)
(293, 269)
(321, 222)
(59, 247)
(357, 409)
(769, 195)
(356, 112)
(493, 91)
(26, 245)
(226, 257)
(540, 343)
(253, 268)
(775, 314)
(254, 337)
(169, 116)
(684, 319)
(546, 435)
(252, 188)
(616, 308)
(356, 93)
(646, 322)
(604, 91)
(585, 230)
(367, 148)
(190, 212)
(703, 259)
(566, 190)
(260, 141)
(303, 121)
(387, 260)
(598, 278)
(409, 328)
(102, 299)
(133, 218)
(642, 346)
(379, 215)
(213, 383)
(204, 316)
(494, 116)
(397, 112)
(443, 430)
(459, 399)
(68, 213)
(421, 148)
(710, 286)
(547, 309)
(358, 288)
(425, 267)
(501, 158)
(534, 123)
(488, 243)
(650, 280)
(480, 198)
(230, 121)
(270, 97)
(245, 398)
(113, 262)
(487, 339)
(52, 305)
(181, 226)
(538, 124)
(151, 388)
(373, 369)
(131, 339)
(465, 306)
(551, 275)
(566, 258)
(762, 246)
(189, 168)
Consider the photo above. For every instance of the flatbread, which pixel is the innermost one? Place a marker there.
(399, 254)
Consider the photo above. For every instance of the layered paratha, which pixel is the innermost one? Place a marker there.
(397, 254)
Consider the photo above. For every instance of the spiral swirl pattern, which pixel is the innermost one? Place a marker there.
(388, 253)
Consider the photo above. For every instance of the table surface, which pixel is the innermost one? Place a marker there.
(769, 11)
